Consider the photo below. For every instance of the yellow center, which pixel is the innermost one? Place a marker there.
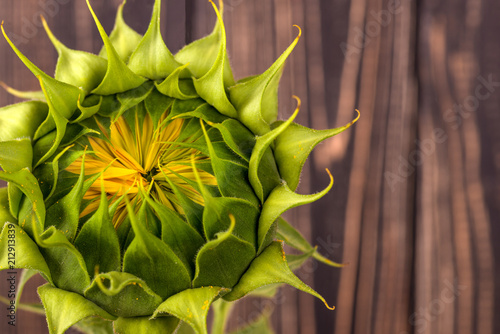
(146, 160)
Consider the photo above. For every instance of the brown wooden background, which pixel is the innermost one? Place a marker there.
(415, 208)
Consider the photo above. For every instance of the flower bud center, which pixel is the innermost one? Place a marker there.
(148, 161)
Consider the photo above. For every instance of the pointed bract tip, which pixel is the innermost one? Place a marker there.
(45, 25)
(3, 32)
(217, 10)
(300, 31)
(359, 114)
(49, 32)
(120, 9)
(330, 307)
(221, 5)
(329, 174)
(90, 7)
(298, 100)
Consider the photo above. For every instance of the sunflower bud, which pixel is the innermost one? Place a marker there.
(144, 186)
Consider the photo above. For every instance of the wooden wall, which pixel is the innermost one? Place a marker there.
(415, 208)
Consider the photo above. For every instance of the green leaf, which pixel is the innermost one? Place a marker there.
(62, 96)
(217, 211)
(77, 68)
(44, 173)
(175, 87)
(267, 173)
(293, 238)
(123, 38)
(270, 267)
(165, 325)
(209, 63)
(88, 111)
(65, 213)
(256, 98)
(182, 238)
(156, 105)
(98, 242)
(261, 146)
(26, 253)
(191, 306)
(202, 54)
(216, 217)
(64, 308)
(237, 137)
(22, 119)
(205, 112)
(280, 200)
(110, 107)
(60, 124)
(192, 210)
(152, 59)
(152, 260)
(123, 294)
(149, 219)
(267, 291)
(5, 215)
(222, 261)
(180, 107)
(294, 145)
(56, 249)
(27, 95)
(124, 230)
(295, 261)
(16, 154)
(119, 78)
(28, 185)
(49, 173)
(130, 99)
(231, 176)
(45, 148)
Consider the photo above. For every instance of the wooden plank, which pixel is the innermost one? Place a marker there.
(415, 206)
(453, 104)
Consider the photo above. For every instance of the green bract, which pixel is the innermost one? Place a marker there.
(144, 186)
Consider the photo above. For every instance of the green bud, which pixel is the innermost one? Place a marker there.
(144, 186)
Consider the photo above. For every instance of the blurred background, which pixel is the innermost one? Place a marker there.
(415, 208)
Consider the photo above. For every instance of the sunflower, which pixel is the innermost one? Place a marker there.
(147, 187)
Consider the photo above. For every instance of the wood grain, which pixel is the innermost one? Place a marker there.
(415, 208)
